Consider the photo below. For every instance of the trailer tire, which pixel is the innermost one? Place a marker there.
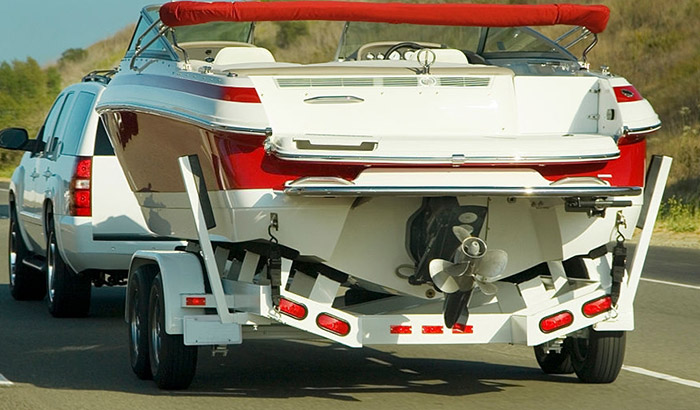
(25, 283)
(597, 356)
(68, 293)
(138, 297)
(173, 364)
(552, 362)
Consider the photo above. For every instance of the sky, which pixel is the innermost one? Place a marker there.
(43, 29)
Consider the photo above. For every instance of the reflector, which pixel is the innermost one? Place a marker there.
(195, 301)
(400, 330)
(432, 330)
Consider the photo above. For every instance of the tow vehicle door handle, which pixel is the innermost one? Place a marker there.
(34, 175)
(48, 174)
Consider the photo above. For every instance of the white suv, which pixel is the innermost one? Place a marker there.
(73, 218)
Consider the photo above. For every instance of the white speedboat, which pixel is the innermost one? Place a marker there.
(447, 147)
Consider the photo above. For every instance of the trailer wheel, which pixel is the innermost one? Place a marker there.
(68, 292)
(139, 293)
(597, 356)
(25, 283)
(173, 364)
(553, 362)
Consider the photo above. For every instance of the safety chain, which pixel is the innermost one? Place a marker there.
(274, 260)
(619, 260)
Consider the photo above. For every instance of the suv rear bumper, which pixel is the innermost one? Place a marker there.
(82, 251)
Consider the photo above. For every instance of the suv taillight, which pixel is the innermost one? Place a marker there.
(80, 188)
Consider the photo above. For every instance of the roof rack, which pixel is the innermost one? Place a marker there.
(100, 76)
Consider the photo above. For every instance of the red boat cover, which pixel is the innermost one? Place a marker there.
(184, 13)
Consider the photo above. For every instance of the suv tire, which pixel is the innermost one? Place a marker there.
(25, 283)
(68, 292)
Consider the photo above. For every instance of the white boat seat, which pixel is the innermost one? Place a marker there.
(445, 55)
(238, 55)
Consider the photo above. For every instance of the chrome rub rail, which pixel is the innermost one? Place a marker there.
(531, 192)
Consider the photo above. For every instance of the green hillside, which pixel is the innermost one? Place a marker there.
(654, 47)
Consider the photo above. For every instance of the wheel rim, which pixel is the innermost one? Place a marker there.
(155, 331)
(13, 254)
(135, 323)
(50, 268)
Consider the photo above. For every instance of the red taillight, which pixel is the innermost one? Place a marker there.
(195, 301)
(333, 324)
(400, 330)
(627, 93)
(556, 321)
(293, 309)
(597, 306)
(432, 330)
(81, 188)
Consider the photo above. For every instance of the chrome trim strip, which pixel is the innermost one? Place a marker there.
(528, 192)
(643, 130)
(461, 160)
(184, 117)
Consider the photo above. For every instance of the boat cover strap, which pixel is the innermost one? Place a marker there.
(593, 17)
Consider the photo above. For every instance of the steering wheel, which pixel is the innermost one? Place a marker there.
(403, 44)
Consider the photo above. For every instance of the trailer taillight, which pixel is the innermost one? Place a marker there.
(293, 309)
(597, 306)
(556, 321)
(333, 324)
(81, 188)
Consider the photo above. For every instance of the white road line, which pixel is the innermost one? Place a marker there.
(662, 376)
(663, 282)
(4, 381)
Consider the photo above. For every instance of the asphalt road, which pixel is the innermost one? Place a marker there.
(48, 363)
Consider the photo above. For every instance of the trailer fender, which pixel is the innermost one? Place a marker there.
(181, 273)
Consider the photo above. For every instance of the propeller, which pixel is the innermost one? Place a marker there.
(474, 265)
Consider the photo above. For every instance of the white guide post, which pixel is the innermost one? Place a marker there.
(217, 288)
(654, 190)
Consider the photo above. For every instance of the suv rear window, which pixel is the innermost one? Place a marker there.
(74, 129)
(102, 144)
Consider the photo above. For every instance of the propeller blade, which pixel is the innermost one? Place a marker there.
(487, 288)
(492, 264)
(450, 277)
(462, 232)
(443, 280)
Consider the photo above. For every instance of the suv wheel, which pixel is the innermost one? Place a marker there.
(25, 283)
(68, 292)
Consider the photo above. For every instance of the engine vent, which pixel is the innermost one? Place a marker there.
(412, 81)
(464, 81)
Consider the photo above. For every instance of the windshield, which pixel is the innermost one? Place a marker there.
(372, 41)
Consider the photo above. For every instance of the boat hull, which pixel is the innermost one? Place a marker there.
(363, 235)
